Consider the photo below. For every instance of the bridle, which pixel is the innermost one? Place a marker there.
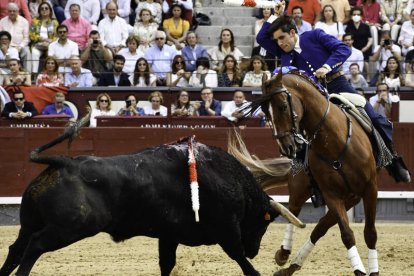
(294, 130)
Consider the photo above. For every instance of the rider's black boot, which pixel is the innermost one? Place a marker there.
(397, 169)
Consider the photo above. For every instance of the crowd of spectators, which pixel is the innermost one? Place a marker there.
(107, 43)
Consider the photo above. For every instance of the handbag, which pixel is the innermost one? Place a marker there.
(203, 19)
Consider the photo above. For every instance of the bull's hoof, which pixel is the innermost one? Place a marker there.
(287, 271)
(282, 256)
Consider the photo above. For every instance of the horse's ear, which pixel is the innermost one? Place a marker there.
(279, 76)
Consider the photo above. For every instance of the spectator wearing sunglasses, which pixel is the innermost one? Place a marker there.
(178, 77)
(102, 108)
(160, 56)
(19, 108)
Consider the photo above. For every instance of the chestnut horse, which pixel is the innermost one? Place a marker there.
(340, 159)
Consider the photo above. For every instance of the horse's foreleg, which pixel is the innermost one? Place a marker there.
(370, 232)
(299, 192)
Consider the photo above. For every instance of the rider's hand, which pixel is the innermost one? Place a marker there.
(321, 72)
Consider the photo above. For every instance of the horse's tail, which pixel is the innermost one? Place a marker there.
(70, 133)
(269, 173)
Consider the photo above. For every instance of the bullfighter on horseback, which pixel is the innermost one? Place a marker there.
(321, 56)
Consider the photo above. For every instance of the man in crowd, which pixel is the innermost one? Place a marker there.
(96, 57)
(18, 27)
(113, 29)
(6, 53)
(406, 39)
(19, 108)
(115, 77)
(382, 101)
(90, 10)
(209, 106)
(63, 49)
(301, 25)
(355, 57)
(160, 57)
(78, 77)
(311, 9)
(58, 107)
(78, 27)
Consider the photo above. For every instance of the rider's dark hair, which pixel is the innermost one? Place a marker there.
(285, 23)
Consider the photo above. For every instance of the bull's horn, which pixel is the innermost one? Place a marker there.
(287, 214)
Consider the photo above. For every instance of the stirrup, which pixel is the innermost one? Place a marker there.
(398, 170)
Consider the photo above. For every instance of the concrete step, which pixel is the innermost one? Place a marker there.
(240, 21)
(228, 12)
(215, 30)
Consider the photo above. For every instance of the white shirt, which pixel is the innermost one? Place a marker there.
(12, 52)
(210, 80)
(113, 32)
(385, 54)
(160, 60)
(356, 57)
(336, 29)
(149, 111)
(97, 112)
(130, 59)
(141, 81)
(60, 51)
(124, 7)
(90, 9)
(406, 33)
(19, 30)
(188, 5)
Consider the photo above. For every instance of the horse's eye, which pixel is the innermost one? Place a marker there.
(283, 108)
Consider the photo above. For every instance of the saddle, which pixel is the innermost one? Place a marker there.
(354, 105)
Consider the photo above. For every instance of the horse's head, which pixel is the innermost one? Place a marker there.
(285, 111)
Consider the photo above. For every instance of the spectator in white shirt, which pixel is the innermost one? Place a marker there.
(63, 49)
(131, 54)
(155, 109)
(356, 55)
(160, 57)
(113, 29)
(6, 53)
(18, 27)
(406, 39)
(231, 110)
(123, 8)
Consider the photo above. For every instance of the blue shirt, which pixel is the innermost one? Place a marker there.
(215, 105)
(51, 110)
(84, 79)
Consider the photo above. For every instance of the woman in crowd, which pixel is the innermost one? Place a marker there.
(371, 10)
(17, 75)
(409, 77)
(151, 5)
(176, 27)
(392, 74)
(131, 54)
(131, 107)
(230, 75)
(225, 47)
(183, 107)
(142, 76)
(178, 76)
(155, 109)
(41, 33)
(329, 22)
(203, 76)
(50, 75)
(257, 69)
(145, 29)
(102, 108)
(257, 50)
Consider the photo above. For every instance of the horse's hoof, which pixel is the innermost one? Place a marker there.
(282, 256)
(359, 273)
(374, 274)
(287, 271)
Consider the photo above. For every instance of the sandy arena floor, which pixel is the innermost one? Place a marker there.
(139, 256)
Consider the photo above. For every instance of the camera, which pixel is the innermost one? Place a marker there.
(128, 103)
(387, 42)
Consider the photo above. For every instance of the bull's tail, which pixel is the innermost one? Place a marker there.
(269, 173)
(70, 133)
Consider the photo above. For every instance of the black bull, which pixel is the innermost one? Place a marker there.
(146, 193)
